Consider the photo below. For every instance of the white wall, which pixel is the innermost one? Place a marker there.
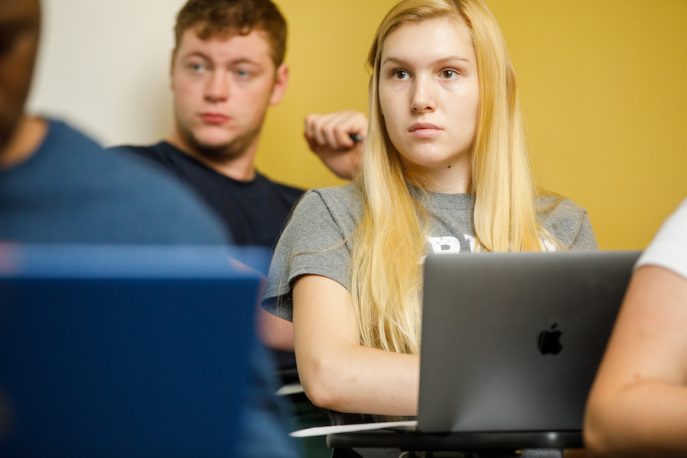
(103, 66)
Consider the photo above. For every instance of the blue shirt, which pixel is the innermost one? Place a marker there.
(72, 191)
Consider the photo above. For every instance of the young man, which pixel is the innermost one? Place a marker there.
(59, 186)
(227, 69)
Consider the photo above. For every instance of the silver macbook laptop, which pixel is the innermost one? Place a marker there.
(511, 342)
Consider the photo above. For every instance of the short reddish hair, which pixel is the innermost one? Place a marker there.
(234, 17)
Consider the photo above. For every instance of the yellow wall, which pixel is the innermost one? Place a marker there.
(603, 85)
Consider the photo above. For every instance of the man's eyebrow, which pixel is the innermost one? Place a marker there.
(202, 55)
(195, 54)
(244, 60)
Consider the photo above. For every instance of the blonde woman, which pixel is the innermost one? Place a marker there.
(445, 168)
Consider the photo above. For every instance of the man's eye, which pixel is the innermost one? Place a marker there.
(197, 67)
(243, 73)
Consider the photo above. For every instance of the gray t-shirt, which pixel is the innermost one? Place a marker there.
(317, 237)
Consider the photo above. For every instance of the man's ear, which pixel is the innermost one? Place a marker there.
(281, 81)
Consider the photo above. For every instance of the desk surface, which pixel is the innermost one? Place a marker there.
(495, 441)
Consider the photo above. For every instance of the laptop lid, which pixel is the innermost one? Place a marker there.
(511, 342)
(125, 351)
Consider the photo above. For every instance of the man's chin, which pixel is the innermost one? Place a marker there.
(216, 143)
(209, 138)
(212, 139)
(215, 147)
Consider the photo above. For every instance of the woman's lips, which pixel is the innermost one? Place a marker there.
(214, 118)
(424, 130)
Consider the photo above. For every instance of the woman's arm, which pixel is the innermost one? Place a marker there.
(276, 333)
(638, 404)
(336, 371)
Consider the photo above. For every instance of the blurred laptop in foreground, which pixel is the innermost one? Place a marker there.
(125, 351)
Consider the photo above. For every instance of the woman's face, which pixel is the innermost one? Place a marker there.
(429, 96)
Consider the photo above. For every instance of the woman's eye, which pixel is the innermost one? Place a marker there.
(399, 74)
(449, 74)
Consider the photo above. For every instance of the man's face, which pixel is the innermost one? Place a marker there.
(19, 30)
(222, 88)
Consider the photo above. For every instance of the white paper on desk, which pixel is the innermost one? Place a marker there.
(324, 430)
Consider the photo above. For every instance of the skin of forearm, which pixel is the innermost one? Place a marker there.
(274, 332)
(363, 380)
(645, 419)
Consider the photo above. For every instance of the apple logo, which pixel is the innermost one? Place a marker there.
(550, 341)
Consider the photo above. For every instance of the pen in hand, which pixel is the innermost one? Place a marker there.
(357, 138)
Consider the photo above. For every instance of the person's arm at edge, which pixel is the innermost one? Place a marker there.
(638, 404)
(337, 372)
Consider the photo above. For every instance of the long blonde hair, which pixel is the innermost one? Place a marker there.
(389, 240)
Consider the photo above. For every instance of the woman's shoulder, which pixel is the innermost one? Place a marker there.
(565, 219)
(338, 200)
(556, 204)
(349, 193)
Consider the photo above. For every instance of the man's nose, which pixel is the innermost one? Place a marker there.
(217, 87)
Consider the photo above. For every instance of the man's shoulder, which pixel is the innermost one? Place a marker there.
(291, 193)
(70, 151)
(62, 133)
(128, 168)
(126, 200)
(160, 153)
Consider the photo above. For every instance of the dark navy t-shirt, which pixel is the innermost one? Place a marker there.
(254, 211)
